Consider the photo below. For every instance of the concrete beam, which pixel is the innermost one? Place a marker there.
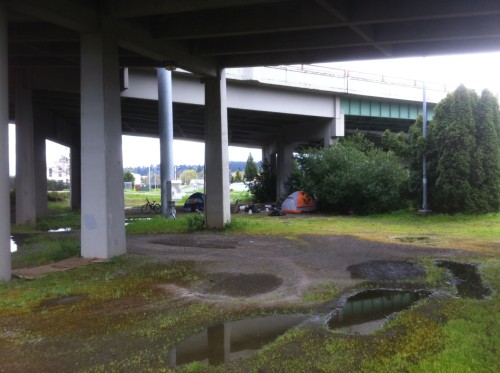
(25, 157)
(132, 8)
(103, 216)
(5, 257)
(63, 13)
(217, 208)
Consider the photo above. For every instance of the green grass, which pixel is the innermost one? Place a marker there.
(126, 321)
(39, 250)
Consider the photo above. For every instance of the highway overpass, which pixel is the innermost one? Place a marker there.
(88, 44)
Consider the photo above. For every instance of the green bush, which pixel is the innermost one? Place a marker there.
(354, 175)
(196, 222)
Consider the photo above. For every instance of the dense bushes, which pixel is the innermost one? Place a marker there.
(353, 175)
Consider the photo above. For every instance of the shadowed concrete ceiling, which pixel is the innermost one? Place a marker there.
(203, 36)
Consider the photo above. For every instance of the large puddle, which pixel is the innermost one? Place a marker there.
(466, 279)
(367, 311)
(231, 340)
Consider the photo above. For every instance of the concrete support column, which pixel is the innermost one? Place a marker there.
(76, 174)
(103, 216)
(217, 208)
(25, 153)
(166, 122)
(5, 257)
(334, 127)
(40, 165)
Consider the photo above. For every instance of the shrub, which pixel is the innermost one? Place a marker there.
(57, 197)
(354, 175)
(196, 222)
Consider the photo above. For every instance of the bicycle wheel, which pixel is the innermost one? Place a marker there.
(146, 209)
(157, 208)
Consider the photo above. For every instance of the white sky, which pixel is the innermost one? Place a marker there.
(478, 71)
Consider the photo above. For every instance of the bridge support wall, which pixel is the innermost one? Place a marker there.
(5, 257)
(25, 157)
(40, 164)
(103, 225)
(216, 153)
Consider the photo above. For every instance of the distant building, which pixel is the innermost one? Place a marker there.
(60, 170)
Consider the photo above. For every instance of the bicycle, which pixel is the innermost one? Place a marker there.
(151, 207)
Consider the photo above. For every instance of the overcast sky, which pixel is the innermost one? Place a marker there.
(476, 71)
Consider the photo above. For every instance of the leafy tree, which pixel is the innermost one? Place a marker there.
(187, 175)
(129, 177)
(296, 180)
(251, 170)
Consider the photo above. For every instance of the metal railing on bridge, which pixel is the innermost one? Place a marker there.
(325, 78)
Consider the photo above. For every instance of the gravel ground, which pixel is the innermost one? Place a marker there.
(270, 269)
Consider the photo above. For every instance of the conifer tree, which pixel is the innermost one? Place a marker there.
(251, 170)
(454, 136)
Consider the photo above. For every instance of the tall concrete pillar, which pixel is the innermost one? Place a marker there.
(40, 164)
(103, 216)
(5, 258)
(217, 208)
(334, 127)
(166, 122)
(76, 173)
(25, 153)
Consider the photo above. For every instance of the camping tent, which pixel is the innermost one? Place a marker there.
(298, 202)
(195, 202)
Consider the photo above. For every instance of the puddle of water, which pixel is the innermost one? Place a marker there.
(230, 340)
(65, 229)
(367, 311)
(13, 245)
(466, 279)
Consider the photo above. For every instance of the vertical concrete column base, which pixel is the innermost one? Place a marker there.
(5, 257)
(103, 214)
(217, 207)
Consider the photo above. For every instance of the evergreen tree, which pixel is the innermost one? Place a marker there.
(251, 170)
(485, 175)
(237, 176)
(454, 136)
(263, 186)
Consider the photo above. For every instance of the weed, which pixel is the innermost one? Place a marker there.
(195, 222)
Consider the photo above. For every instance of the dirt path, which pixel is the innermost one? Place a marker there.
(269, 268)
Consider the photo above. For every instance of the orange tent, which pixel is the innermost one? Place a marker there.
(298, 202)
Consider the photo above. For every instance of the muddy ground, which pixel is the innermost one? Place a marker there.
(271, 270)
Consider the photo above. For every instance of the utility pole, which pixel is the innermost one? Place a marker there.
(425, 207)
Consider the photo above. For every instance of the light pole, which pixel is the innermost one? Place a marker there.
(425, 207)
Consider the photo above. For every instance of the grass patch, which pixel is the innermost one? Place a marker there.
(123, 276)
(39, 250)
(321, 293)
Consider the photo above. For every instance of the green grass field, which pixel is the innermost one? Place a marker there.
(438, 335)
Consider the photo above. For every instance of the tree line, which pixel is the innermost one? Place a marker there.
(462, 149)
